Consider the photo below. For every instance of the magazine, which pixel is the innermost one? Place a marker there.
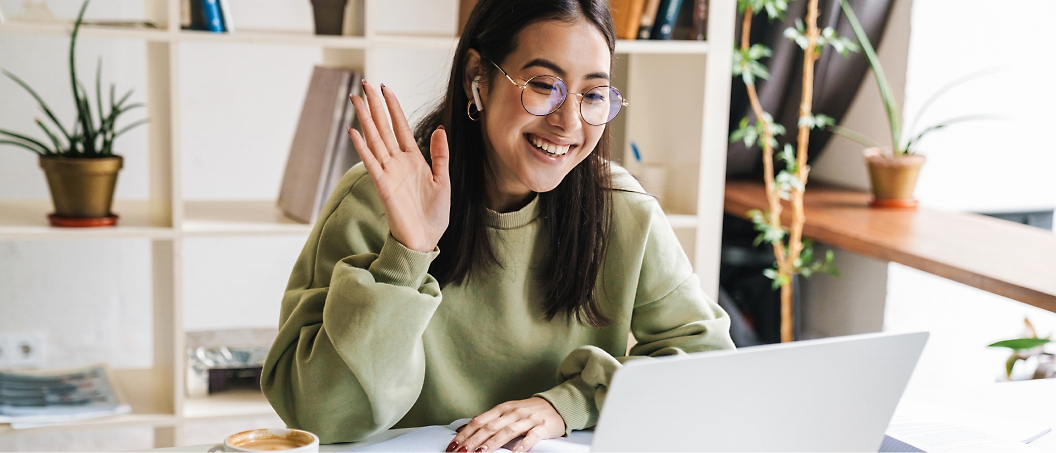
(37, 398)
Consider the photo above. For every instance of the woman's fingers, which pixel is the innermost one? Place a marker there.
(440, 154)
(502, 436)
(365, 154)
(380, 118)
(533, 437)
(373, 141)
(402, 130)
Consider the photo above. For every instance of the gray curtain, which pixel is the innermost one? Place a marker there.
(836, 82)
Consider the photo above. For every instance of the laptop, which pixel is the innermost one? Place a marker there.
(833, 394)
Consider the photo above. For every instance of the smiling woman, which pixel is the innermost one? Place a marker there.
(551, 254)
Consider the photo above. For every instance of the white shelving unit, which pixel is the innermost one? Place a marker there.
(682, 124)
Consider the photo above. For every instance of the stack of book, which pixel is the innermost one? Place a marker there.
(660, 19)
(322, 151)
(29, 399)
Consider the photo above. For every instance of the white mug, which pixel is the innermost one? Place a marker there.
(266, 439)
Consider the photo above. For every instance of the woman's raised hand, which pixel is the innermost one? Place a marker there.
(417, 198)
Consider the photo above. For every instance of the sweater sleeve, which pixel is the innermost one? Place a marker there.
(349, 361)
(671, 315)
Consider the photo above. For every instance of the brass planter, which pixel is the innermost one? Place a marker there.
(81, 188)
(893, 177)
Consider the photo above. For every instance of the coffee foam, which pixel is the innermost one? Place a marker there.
(266, 440)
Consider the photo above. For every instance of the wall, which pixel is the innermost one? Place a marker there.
(983, 166)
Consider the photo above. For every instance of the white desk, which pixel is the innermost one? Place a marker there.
(1027, 401)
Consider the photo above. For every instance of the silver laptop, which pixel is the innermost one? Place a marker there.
(833, 394)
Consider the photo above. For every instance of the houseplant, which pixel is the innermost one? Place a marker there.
(1038, 363)
(893, 171)
(78, 162)
(793, 255)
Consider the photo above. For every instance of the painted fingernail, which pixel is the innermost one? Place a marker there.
(451, 447)
(460, 428)
(441, 127)
(462, 449)
(383, 86)
(481, 449)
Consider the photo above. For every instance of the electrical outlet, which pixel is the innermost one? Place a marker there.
(21, 350)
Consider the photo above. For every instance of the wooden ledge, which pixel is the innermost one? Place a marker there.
(1004, 258)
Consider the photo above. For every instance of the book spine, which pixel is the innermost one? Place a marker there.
(645, 27)
(626, 15)
(211, 14)
(700, 20)
(666, 16)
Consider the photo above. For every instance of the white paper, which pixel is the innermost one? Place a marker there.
(986, 424)
(946, 437)
(437, 438)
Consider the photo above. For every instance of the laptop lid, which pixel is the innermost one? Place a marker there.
(817, 395)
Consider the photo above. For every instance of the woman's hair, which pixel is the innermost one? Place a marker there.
(576, 214)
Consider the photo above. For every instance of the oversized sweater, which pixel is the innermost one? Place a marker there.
(368, 340)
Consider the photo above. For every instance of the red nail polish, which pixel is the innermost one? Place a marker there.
(441, 127)
(481, 449)
(363, 81)
(462, 449)
(383, 86)
(451, 447)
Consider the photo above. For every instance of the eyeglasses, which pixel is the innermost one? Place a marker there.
(544, 94)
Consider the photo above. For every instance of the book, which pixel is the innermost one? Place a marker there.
(666, 16)
(627, 16)
(321, 151)
(700, 20)
(37, 398)
(436, 438)
(645, 27)
(225, 15)
(214, 22)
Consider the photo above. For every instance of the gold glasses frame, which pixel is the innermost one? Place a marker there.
(623, 104)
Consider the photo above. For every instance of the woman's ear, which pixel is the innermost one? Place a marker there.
(473, 83)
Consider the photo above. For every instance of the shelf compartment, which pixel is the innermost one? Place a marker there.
(233, 404)
(27, 219)
(252, 217)
(280, 37)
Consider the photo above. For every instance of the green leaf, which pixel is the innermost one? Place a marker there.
(23, 145)
(54, 139)
(894, 119)
(1020, 344)
(25, 138)
(913, 141)
(40, 101)
(850, 134)
(1011, 363)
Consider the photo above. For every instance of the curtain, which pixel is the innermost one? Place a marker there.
(836, 78)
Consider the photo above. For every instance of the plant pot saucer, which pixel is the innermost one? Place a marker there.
(910, 203)
(82, 222)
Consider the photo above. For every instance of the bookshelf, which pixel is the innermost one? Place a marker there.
(682, 125)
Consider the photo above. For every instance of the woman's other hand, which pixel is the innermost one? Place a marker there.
(417, 198)
(533, 418)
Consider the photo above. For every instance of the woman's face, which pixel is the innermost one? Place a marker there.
(531, 153)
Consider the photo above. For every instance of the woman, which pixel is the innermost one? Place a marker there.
(499, 279)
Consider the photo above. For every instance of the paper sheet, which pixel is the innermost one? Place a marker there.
(437, 438)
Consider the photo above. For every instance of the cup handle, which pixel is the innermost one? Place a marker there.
(217, 448)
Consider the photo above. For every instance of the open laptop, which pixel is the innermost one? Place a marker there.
(834, 394)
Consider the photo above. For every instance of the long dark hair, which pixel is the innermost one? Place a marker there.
(576, 214)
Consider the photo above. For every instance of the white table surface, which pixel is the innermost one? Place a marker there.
(1027, 401)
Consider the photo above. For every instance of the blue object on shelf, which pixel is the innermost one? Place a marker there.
(211, 14)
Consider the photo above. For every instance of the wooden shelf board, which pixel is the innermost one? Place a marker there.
(238, 403)
(15, 27)
(1004, 258)
(210, 218)
(27, 219)
(647, 46)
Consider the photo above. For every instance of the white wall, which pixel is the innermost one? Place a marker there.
(985, 166)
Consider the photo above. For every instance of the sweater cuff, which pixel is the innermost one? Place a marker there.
(574, 401)
(401, 266)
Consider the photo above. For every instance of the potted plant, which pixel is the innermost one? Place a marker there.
(893, 171)
(1038, 363)
(793, 255)
(78, 162)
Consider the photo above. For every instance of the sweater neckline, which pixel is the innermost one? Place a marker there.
(515, 219)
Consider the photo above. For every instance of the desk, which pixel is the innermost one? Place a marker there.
(1004, 258)
(1027, 401)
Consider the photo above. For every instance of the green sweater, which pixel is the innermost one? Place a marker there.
(368, 341)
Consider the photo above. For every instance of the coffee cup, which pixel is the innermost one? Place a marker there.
(269, 439)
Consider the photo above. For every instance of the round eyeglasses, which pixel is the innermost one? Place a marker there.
(544, 94)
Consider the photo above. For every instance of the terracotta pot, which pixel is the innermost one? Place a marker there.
(893, 177)
(82, 189)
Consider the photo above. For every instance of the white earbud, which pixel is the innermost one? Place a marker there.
(476, 94)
